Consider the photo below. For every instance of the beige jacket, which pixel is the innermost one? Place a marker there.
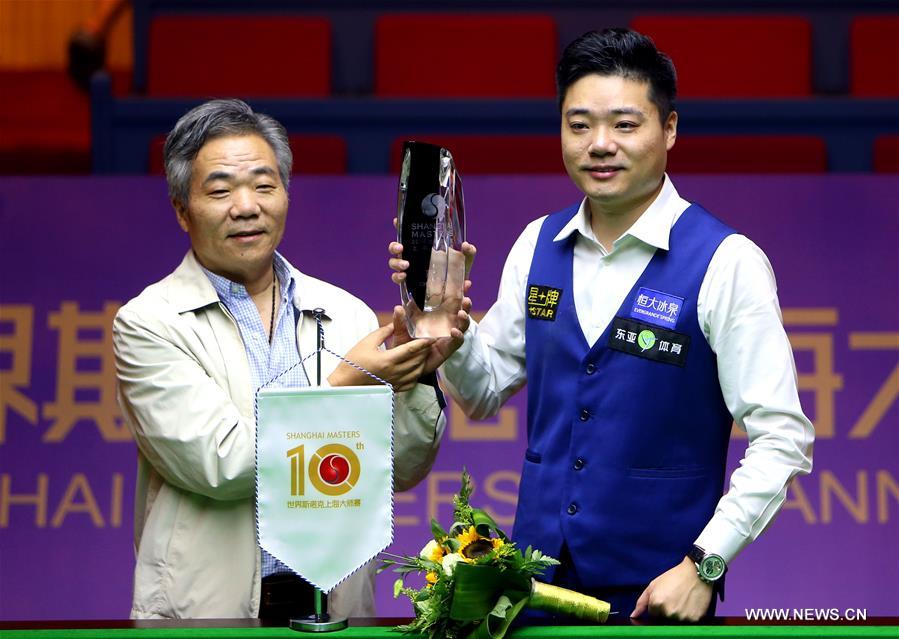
(186, 393)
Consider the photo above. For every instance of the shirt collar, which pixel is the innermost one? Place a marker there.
(228, 290)
(653, 227)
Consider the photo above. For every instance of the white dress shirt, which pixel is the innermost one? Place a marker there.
(739, 315)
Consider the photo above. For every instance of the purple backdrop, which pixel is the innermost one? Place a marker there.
(72, 250)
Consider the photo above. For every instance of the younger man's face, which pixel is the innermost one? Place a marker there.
(613, 145)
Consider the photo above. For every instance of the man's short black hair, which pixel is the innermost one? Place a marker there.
(624, 53)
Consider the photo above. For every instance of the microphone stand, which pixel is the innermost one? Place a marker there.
(320, 621)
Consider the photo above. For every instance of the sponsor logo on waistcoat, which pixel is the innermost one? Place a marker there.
(657, 308)
(542, 302)
(648, 341)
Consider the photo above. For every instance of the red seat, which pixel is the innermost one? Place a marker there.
(748, 154)
(496, 154)
(246, 55)
(318, 154)
(453, 55)
(874, 42)
(886, 154)
(44, 124)
(735, 56)
(312, 154)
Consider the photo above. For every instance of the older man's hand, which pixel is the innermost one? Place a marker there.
(677, 594)
(401, 365)
(441, 347)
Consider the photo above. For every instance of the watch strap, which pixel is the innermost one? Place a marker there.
(696, 554)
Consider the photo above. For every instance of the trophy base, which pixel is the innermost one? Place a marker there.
(431, 323)
(432, 326)
(318, 623)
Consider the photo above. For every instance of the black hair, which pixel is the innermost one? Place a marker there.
(624, 53)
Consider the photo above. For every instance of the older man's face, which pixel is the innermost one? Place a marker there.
(238, 205)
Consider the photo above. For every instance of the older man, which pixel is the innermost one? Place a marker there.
(191, 351)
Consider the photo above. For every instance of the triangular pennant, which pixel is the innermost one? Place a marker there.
(324, 478)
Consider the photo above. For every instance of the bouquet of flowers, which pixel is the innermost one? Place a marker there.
(477, 580)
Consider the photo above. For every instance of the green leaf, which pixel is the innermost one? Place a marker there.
(460, 526)
(484, 524)
(502, 605)
(477, 589)
(465, 490)
(438, 531)
(423, 606)
(495, 627)
(397, 588)
(461, 507)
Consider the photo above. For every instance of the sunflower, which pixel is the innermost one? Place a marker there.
(472, 545)
(467, 536)
(431, 578)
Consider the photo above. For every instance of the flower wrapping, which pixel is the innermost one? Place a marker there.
(477, 581)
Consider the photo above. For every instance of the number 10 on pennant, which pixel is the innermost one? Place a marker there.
(333, 470)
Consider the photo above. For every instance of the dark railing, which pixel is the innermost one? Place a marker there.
(123, 128)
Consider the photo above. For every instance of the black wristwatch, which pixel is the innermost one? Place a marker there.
(709, 566)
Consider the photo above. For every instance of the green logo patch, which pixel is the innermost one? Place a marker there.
(649, 342)
(646, 340)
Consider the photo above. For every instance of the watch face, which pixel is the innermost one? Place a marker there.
(712, 567)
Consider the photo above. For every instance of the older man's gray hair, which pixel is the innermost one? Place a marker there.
(214, 119)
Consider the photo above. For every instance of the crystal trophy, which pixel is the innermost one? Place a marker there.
(431, 228)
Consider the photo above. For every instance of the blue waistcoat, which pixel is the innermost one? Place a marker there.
(627, 440)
